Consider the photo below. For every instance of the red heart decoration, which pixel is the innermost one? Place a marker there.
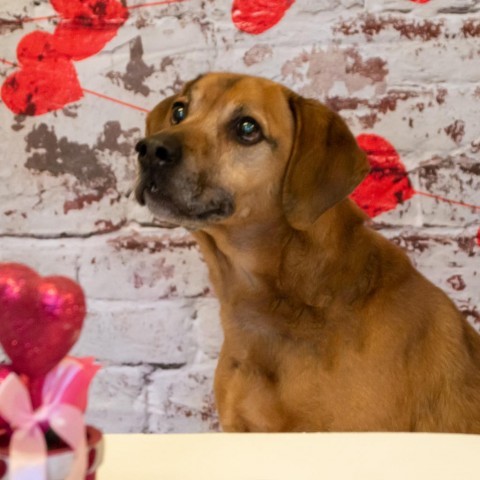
(85, 10)
(387, 184)
(478, 237)
(40, 318)
(47, 80)
(87, 25)
(79, 41)
(37, 47)
(256, 16)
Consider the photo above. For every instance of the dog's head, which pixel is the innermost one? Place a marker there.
(233, 148)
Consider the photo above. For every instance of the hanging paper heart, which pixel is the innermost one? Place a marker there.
(81, 41)
(40, 318)
(46, 81)
(257, 16)
(387, 184)
(87, 26)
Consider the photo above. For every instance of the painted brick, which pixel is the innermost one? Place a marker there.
(206, 327)
(182, 400)
(117, 400)
(128, 332)
(143, 265)
(46, 256)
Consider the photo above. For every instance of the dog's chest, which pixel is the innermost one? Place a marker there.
(296, 378)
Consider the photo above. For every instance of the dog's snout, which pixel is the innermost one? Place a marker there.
(159, 150)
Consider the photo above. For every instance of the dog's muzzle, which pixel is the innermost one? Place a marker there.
(170, 190)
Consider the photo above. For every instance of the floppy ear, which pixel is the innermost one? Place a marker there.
(325, 165)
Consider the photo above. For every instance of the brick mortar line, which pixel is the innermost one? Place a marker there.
(377, 226)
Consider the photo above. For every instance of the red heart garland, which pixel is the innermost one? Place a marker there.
(257, 16)
(47, 79)
(387, 184)
(40, 318)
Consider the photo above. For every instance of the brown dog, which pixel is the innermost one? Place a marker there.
(327, 325)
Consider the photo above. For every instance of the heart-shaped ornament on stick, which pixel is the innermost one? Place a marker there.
(40, 318)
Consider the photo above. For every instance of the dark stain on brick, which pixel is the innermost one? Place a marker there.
(426, 30)
(19, 122)
(70, 111)
(59, 157)
(165, 63)
(151, 244)
(107, 226)
(467, 245)
(441, 94)
(372, 25)
(456, 131)
(9, 26)
(387, 103)
(412, 243)
(374, 68)
(456, 282)
(137, 71)
(471, 28)
(473, 169)
(115, 139)
(471, 314)
(369, 120)
(475, 146)
(429, 175)
(257, 54)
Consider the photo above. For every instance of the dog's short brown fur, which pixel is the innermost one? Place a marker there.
(328, 327)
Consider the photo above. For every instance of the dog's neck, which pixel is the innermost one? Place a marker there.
(266, 257)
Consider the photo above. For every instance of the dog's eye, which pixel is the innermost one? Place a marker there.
(248, 130)
(179, 112)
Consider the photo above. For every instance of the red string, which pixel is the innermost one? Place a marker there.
(116, 100)
(91, 92)
(154, 4)
(6, 62)
(447, 200)
(36, 19)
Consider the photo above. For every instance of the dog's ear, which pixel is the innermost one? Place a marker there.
(159, 117)
(325, 165)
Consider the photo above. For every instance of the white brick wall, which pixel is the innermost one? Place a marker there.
(404, 71)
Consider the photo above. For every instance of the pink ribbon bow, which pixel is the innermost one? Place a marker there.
(28, 449)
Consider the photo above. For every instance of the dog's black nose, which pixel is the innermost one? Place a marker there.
(159, 150)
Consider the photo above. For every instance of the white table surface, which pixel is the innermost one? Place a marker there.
(314, 456)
